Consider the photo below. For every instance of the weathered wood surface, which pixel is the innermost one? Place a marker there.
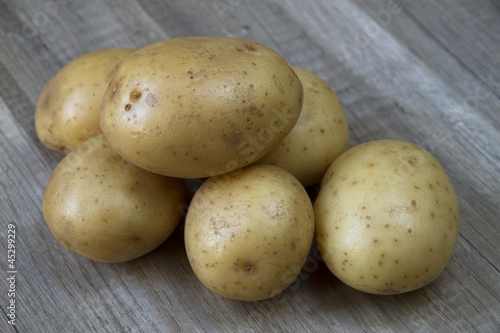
(422, 71)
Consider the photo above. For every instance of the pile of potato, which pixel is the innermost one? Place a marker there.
(135, 124)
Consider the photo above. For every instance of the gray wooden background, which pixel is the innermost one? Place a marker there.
(427, 72)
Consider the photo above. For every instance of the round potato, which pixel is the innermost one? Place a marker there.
(67, 112)
(248, 233)
(107, 209)
(387, 217)
(320, 135)
(196, 107)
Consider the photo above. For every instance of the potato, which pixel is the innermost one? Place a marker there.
(247, 234)
(387, 217)
(196, 107)
(107, 209)
(68, 108)
(320, 135)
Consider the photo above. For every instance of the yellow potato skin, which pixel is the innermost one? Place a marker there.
(387, 217)
(68, 108)
(320, 135)
(196, 107)
(248, 233)
(107, 209)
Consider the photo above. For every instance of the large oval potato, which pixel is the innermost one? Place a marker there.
(68, 108)
(248, 233)
(320, 135)
(196, 107)
(387, 217)
(107, 209)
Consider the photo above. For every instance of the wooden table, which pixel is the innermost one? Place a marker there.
(427, 72)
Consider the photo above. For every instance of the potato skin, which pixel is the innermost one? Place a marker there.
(196, 107)
(320, 135)
(68, 108)
(387, 217)
(107, 209)
(248, 233)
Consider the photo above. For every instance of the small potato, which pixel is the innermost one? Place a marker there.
(107, 209)
(248, 233)
(387, 217)
(320, 135)
(67, 112)
(196, 107)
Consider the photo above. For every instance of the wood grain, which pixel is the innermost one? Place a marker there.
(421, 71)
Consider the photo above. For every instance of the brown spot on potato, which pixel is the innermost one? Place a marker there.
(128, 107)
(413, 160)
(253, 110)
(233, 139)
(250, 47)
(249, 269)
(135, 95)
